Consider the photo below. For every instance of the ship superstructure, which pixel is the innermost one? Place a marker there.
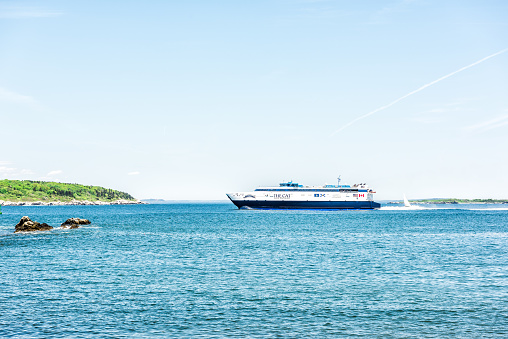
(292, 195)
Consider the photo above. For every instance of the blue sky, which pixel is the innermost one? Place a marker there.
(192, 99)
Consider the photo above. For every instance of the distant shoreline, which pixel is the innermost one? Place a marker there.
(71, 203)
(453, 201)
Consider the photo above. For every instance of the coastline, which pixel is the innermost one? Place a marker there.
(445, 203)
(459, 203)
(71, 203)
(452, 201)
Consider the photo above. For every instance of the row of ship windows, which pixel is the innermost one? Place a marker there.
(307, 190)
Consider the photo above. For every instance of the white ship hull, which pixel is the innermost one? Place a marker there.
(294, 196)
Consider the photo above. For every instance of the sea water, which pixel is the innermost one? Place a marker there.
(211, 270)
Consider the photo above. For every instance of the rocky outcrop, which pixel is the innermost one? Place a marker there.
(27, 225)
(126, 202)
(75, 222)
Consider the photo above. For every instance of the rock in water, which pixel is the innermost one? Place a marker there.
(75, 222)
(27, 225)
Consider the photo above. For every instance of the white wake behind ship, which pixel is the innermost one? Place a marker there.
(291, 195)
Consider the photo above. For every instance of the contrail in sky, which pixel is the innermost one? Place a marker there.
(416, 91)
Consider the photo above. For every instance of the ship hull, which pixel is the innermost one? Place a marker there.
(270, 204)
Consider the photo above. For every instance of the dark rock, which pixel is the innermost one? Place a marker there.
(75, 222)
(27, 225)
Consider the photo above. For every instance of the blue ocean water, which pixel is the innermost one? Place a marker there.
(211, 270)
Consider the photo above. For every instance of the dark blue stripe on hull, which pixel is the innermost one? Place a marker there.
(309, 204)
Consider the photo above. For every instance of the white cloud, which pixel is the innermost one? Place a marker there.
(14, 172)
(437, 115)
(427, 119)
(26, 172)
(6, 170)
(394, 8)
(133, 173)
(489, 124)
(28, 12)
(6, 95)
(55, 172)
(440, 110)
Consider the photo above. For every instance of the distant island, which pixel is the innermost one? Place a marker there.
(153, 201)
(457, 201)
(28, 192)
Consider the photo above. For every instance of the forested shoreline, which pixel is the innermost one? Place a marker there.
(46, 191)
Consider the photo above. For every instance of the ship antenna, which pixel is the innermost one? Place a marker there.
(338, 181)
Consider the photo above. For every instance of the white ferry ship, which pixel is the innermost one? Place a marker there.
(292, 195)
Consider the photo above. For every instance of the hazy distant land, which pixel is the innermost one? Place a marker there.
(456, 201)
(28, 192)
